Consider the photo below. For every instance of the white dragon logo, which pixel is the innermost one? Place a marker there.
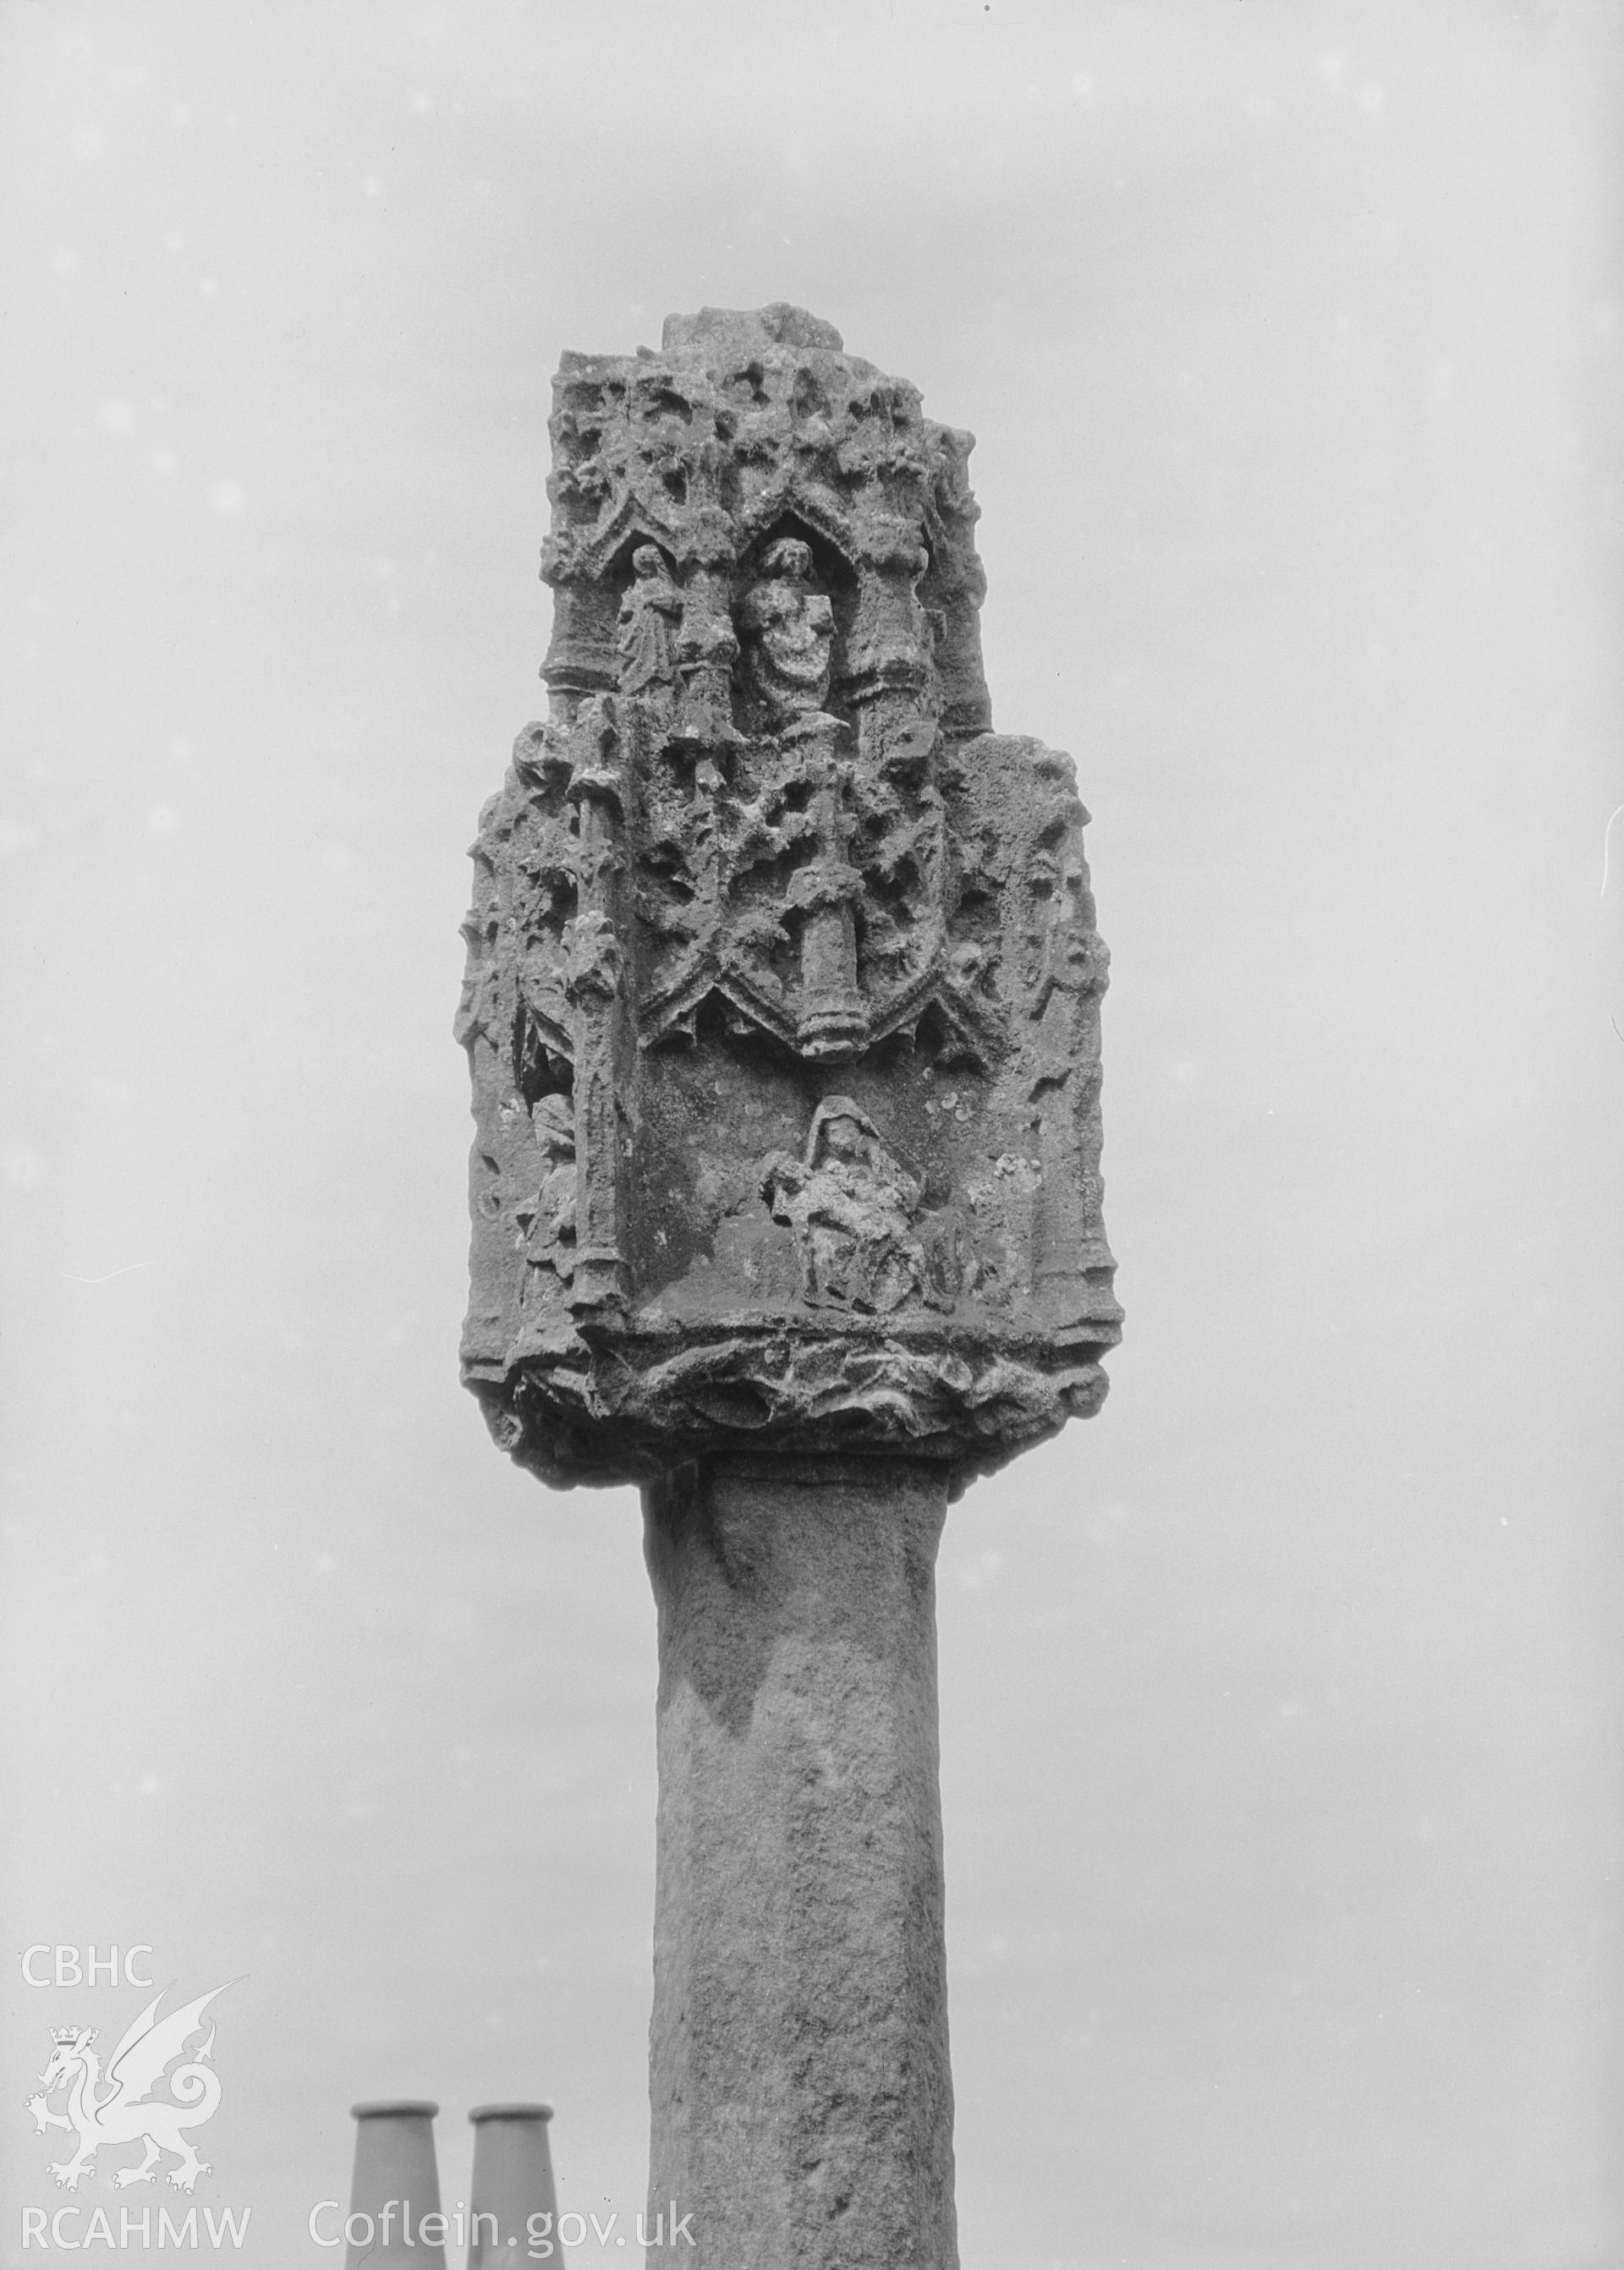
(122, 2116)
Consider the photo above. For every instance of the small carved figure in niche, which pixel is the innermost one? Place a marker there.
(851, 1203)
(646, 630)
(547, 1222)
(971, 967)
(1066, 950)
(790, 635)
(595, 960)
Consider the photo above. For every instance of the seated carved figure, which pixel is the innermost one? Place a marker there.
(850, 1204)
(789, 635)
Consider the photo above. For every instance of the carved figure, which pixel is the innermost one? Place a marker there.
(851, 1203)
(1060, 947)
(790, 635)
(646, 628)
(547, 1220)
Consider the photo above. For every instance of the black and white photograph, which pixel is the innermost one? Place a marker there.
(812, 840)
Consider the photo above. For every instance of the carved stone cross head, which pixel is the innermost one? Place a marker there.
(778, 951)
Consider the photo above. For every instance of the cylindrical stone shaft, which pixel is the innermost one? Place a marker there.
(801, 2097)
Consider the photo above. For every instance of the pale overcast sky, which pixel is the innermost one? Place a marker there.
(1281, 1704)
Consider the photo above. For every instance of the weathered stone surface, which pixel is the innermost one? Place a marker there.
(782, 994)
(803, 2103)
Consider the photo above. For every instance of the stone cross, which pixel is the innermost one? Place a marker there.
(782, 1010)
